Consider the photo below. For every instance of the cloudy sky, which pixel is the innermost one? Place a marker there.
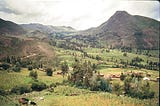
(80, 14)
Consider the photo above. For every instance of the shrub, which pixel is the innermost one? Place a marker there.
(94, 83)
(99, 84)
(38, 86)
(30, 67)
(33, 74)
(125, 54)
(5, 66)
(104, 85)
(64, 68)
(98, 57)
(2, 92)
(139, 90)
(21, 89)
(122, 76)
(16, 69)
(52, 85)
(117, 88)
(49, 71)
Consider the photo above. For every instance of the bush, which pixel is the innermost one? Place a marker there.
(98, 57)
(104, 85)
(52, 85)
(122, 76)
(125, 54)
(21, 89)
(99, 84)
(16, 69)
(49, 71)
(2, 92)
(38, 86)
(139, 90)
(117, 88)
(5, 66)
(33, 74)
(30, 67)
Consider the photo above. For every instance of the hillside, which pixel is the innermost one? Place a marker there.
(27, 48)
(8, 27)
(125, 30)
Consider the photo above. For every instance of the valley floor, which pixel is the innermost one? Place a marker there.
(66, 95)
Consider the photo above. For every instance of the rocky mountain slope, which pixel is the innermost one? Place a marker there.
(125, 30)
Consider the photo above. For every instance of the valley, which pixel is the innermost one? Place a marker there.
(114, 64)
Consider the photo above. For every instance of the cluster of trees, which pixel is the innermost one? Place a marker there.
(35, 86)
(134, 86)
(137, 62)
(137, 88)
(12, 62)
(85, 75)
(16, 63)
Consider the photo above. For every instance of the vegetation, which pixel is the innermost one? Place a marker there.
(33, 74)
(64, 68)
(49, 71)
(140, 89)
(38, 86)
(81, 72)
(20, 89)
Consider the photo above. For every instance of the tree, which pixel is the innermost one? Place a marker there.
(117, 88)
(64, 68)
(122, 76)
(49, 71)
(127, 84)
(20, 89)
(98, 57)
(38, 86)
(5, 66)
(99, 84)
(17, 67)
(125, 54)
(33, 74)
(30, 67)
(2, 92)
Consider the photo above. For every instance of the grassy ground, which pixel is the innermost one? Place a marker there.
(67, 95)
(71, 96)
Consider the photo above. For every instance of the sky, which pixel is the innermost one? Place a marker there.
(79, 14)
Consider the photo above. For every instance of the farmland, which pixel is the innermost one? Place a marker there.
(70, 95)
(62, 94)
(108, 63)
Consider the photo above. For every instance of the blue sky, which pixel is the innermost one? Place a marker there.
(79, 14)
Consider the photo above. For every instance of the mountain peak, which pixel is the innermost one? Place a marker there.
(121, 13)
(117, 19)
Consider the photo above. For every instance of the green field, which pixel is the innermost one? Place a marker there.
(69, 95)
(62, 95)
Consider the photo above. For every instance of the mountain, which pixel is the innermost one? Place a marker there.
(125, 30)
(8, 27)
(122, 30)
(48, 29)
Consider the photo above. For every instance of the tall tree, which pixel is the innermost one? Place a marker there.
(64, 68)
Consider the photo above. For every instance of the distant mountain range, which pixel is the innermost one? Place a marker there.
(121, 30)
(49, 29)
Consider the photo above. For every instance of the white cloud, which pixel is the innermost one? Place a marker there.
(80, 14)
